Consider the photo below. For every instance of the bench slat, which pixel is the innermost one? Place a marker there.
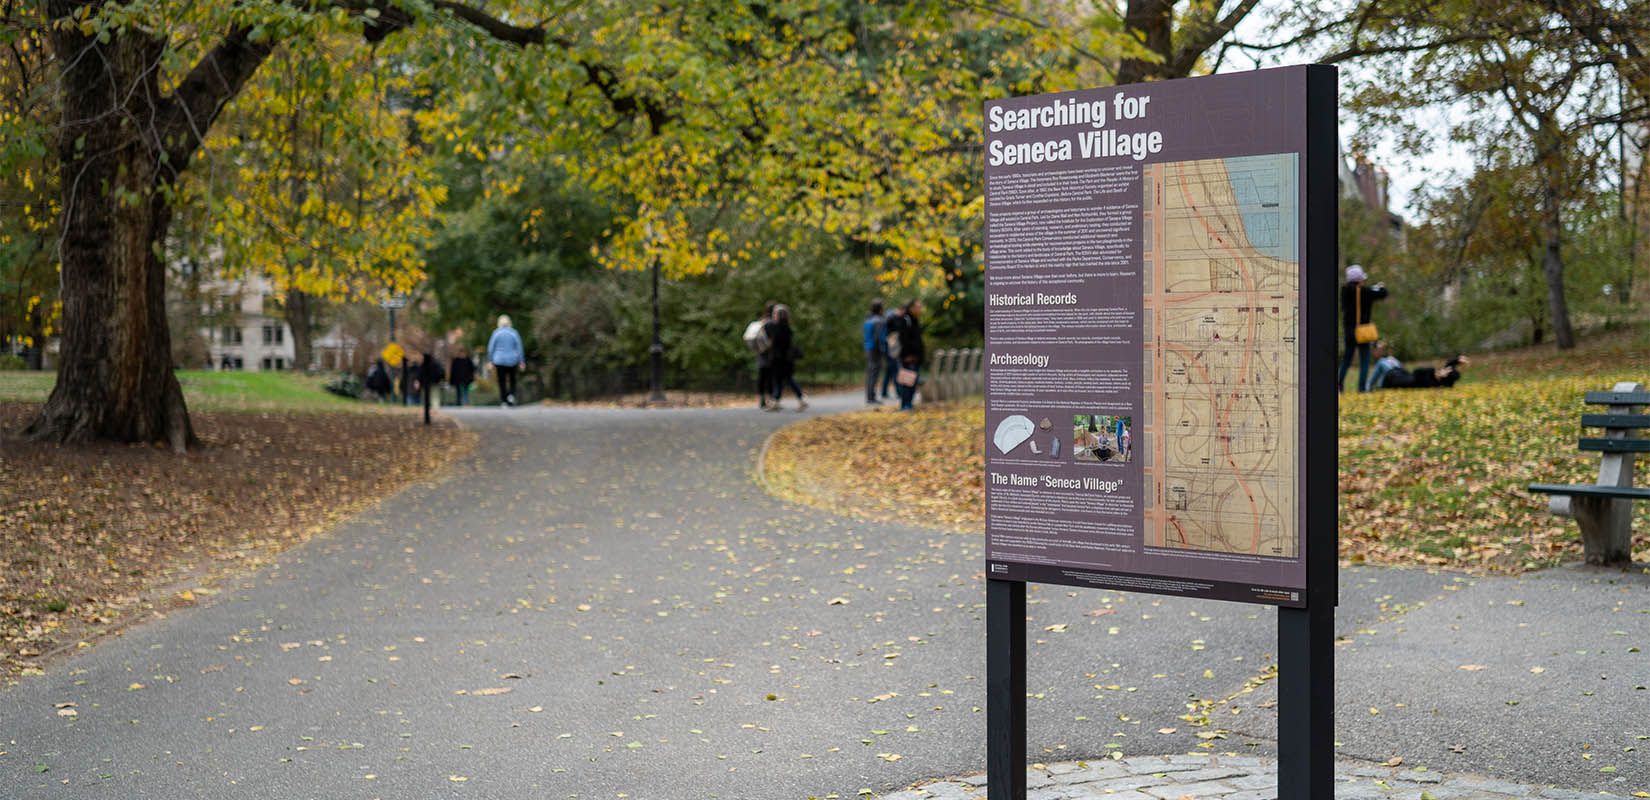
(1619, 398)
(1615, 445)
(1615, 420)
(1630, 493)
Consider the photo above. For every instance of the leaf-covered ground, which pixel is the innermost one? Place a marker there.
(93, 536)
(1431, 478)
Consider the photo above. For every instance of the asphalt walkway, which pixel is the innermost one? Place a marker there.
(604, 604)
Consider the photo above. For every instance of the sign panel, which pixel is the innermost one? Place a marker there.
(392, 354)
(1144, 249)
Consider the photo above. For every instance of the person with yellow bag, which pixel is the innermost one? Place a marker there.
(1356, 299)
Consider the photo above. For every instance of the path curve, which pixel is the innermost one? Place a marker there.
(664, 629)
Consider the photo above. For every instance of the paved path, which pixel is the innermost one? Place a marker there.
(666, 630)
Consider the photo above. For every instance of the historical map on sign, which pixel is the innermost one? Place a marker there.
(1220, 314)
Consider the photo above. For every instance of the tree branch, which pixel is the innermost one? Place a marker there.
(1204, 36)
(189, 112)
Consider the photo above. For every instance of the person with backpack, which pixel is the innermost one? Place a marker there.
(876, 351)
(756, 340)
(909, 347)
(505, 352)
(378, 381)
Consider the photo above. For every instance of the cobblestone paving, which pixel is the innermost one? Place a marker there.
(1213, 777)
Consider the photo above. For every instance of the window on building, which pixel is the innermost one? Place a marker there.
(272, 363)
(232, 363)
(274, 334)
(229, 334)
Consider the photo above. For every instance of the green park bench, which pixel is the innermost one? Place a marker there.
(1604, 510)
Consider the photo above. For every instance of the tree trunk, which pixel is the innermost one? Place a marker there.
(1151, 22)
(300, 316)
(1552, 261)
(114, 377)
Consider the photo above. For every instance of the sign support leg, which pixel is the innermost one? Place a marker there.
(1306, 702)
(1005, 689)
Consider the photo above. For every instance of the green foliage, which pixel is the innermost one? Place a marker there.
(505, 252)
(606, 323)
(1470, 275)
(213, 391)
(28, 187)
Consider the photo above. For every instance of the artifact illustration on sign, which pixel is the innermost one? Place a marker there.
(1221, 303)
(1012, 432)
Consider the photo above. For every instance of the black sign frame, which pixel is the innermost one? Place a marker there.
(1306, 658)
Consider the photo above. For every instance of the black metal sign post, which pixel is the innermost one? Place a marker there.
(1306, 636)
(1005, 689)
(1306, 597)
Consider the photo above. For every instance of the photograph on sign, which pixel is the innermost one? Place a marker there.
(1143, 317)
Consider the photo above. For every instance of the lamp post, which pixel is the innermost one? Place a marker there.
(390, 304)
(658, 349)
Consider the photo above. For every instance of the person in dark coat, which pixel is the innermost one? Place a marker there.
(890, 367)
(430, 376)
(911, 352)
(461, 373)
(1356, 301)
(782, 357)
(378, 380)
(409, 381)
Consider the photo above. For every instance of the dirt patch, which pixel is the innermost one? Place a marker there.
(92, 536)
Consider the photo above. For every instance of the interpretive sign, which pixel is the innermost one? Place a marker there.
(1144, 282)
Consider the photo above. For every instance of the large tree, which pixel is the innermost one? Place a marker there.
(1550, 80)
(856, 119)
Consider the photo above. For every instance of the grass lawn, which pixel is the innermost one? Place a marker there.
(92, 535)
(1431, 478)
(213, 391)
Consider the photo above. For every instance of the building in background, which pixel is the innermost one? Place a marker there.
(243, 328)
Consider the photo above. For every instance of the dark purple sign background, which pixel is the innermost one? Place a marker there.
(1066, 330)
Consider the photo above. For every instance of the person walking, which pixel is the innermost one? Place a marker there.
(756, 338)
(461, 373)
(505, 353)
(911, 354)
(409, 382)
(890, 339)
(783, 354)
(430, 376)
(876, 351)
(1356, 300)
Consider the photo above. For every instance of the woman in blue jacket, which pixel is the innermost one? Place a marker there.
(505, 352)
